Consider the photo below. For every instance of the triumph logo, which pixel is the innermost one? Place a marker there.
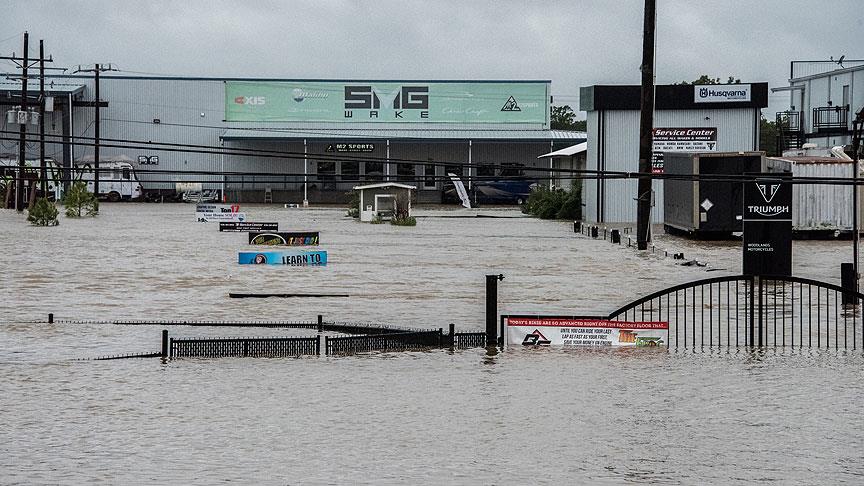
(400, 99)
(768, 191)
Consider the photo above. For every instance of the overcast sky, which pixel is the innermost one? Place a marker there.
(572, 43)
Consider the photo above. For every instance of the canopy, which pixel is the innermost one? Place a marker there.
(567, 151)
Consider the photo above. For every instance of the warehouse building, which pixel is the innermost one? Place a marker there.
(694, 118)
(824, 97)
(313, 140)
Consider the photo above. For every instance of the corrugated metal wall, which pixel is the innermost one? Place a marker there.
(822, 206)
(737, 129)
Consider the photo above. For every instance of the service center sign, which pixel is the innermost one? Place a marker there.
(544, 331)
(721, 93)
(387, 102)
(693, 139)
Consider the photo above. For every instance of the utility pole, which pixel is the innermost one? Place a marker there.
(43, 176)
(96, 104)
(646, 123)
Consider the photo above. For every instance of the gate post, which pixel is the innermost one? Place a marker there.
(320, 323)
(452, 337)
(847, 281)
(164, 343)
(492, 309)
(761, 311)
(752, 321)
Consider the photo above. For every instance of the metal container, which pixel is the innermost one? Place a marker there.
(706, 209)
(822, 210)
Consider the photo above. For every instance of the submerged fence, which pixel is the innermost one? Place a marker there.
(259, 347)
(398, 341)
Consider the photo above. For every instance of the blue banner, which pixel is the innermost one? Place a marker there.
(293, 258)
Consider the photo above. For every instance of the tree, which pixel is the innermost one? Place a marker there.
(705, 79)
(564, 118)
(79, 200)
(43, 213)
(768, 137)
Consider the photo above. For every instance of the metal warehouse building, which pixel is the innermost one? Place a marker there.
(696, 118)
(318, 131)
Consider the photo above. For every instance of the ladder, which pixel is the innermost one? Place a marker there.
(268, 195)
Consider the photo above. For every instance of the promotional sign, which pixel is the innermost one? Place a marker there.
(293, 258)
(387, 102)
(720, 93)
(284, 239)
(207, 217)
(694, 139)
(767, 216)
(545, 331)
(350, 147)
(217, 208)
(234, 227)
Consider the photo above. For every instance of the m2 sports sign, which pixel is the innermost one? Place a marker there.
(545, 331)
(387, 102)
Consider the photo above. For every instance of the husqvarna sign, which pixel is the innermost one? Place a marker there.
(721, 93)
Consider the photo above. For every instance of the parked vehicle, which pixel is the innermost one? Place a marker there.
(118, 183)
(9, 165)
(510, 186)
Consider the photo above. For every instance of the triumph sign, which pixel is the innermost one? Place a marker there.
(767, 216)
(720, 93)
(388, 101)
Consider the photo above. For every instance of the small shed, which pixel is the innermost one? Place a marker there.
(384, 200)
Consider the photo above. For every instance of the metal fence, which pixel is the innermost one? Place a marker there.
(263, 347)
(464, 340)
(397, 341)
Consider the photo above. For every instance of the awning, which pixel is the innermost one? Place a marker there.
(407, 133)
(567, 151)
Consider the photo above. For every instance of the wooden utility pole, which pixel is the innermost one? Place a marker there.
(43, 176)
(646, 119)
(96, 104)
(22, 148)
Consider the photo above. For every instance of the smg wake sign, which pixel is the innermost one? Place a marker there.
(388, 101)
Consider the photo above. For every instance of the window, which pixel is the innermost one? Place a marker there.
(127, 174)
(486, 170)
(115, 174)
(374, 171)
(405, 172)
(429, 176)
(512, 170)
(351, 171)
(327, 175)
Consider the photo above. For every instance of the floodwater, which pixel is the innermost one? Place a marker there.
(437, 417)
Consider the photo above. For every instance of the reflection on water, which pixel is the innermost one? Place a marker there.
(441, 417)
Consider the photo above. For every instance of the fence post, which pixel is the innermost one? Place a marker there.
(245, 348)
(171, 348)
(51, 318)
(752, 319)
(503, 336)
(318, 345)
(440, 337)
(492, 309)
(164, 343)
(452, 335)
(847, 281)
(326, 344)
(761, 309)
(320, 323)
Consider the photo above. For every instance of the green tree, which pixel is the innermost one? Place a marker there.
(705, 79)
(78, 200)
(43, 213)
(564, 118)
(768, 137)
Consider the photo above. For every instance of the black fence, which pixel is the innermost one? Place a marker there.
(464, 340)
(259, 347)
(397, 341)
(742, 310)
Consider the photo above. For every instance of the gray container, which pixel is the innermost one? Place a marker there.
(706, 209)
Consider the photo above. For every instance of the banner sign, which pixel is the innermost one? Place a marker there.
(720, 93)
(207, 217)
(217, 208)
(284, 239)
(350, 147)
(293, 258)
(702, 139)
(234, 227)
(387, 102)
(545, 331)
(767, 224)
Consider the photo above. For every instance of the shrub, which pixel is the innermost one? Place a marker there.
(377, 220)
(403, 221)
(353, 204)
(548, 203)
(79, 200)
(43, 213)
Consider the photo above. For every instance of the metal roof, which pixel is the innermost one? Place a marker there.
(418, 133)
(567, 151)
(53, 88)
(384, 184)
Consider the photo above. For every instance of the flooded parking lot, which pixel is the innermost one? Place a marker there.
(524, 416)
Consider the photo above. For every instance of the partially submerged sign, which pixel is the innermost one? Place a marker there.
(206, 217)
(217, 208)
(545, 331)
(236, 227)
(292, 258)
(767, 226)
(284, 238)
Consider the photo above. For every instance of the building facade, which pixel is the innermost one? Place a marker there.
(300, 140)
(824, 97)
(693, 118)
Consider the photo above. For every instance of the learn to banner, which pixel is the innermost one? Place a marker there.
(205, 217)
(235, 227)
(293, 258)
(545, 331)
(309, 238)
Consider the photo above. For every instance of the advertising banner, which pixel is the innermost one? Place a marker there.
(207, 217)
(292, 258)
(767, 226)
(217, 208)
(695, 139)
(721, 93)
(545, 331)
(387, 102)
(284, 239)
(235, 227)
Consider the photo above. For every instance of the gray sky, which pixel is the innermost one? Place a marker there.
(573, 43)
